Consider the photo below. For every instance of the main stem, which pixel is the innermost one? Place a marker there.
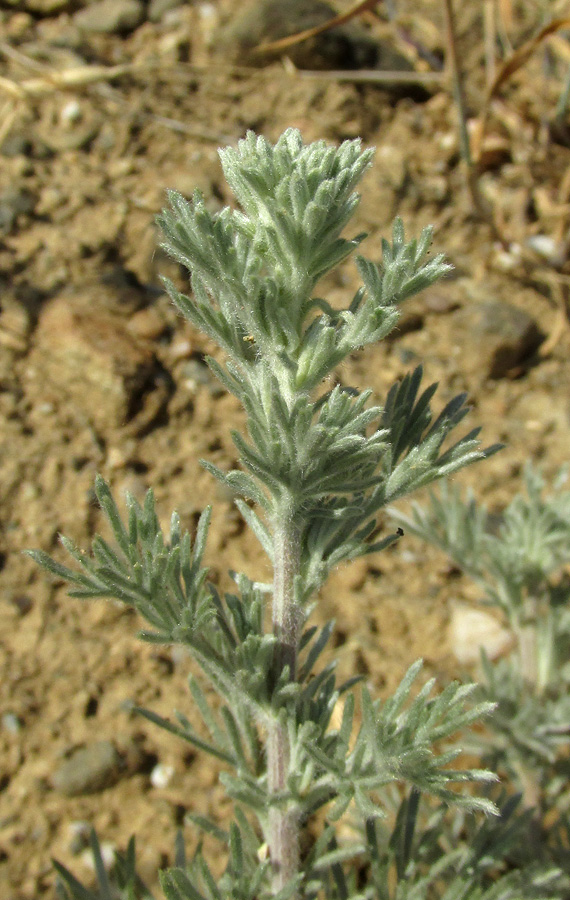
(283, 836)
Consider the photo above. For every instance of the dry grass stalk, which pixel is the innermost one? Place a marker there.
(515, 61)
(506, 14)
(373, 76)
(558, 286)
(66, 79)
(480, 205)
(359, 7)
(489, 27)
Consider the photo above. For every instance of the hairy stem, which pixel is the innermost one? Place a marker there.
(283, 836)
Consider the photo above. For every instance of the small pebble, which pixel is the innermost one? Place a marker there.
(22, 603)
(448, 140)
(11, 723)
(47, 7)
(15, 145)
(437, 302)
(161, 775)
(88, 770)
(19, 25)
(506, 336)
(545, 246)
(110, 16)
(209, 20)
(472, 630)
(179, 655)
(71, 113)
(51, 198)
(116, 458)
(507, 260)
(158, 9)
(147, 324)
(119, 457)
(108, 854)
(78, 836)
(181, 349)
(14, 202)
(118, 168)
(195, 374)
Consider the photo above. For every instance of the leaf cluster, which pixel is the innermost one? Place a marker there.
(512, 555)
(517, 558)
(420, 854)
(163, 580)
(253, 271)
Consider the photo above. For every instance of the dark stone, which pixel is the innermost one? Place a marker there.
(13, 203)
(344, 47)
(110, 16)
(502, 336)
(88, 770)
(15, 145)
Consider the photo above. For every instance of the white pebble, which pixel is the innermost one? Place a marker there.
(181, 349)
(71, 112)
(507, 260)
(108, 854)
(471, 630)
(544, 245)
(161, 775)
(207, 11)
(11, 723)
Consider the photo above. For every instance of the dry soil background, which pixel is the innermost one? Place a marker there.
(99, 374)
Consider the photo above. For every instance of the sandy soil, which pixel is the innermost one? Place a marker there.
(99, 374)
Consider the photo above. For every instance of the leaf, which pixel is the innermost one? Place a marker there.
(108, 505)
(185, 733)
(43, 559)
(257, 526)
(208, 826)
(75, 887)
(315, 651)
(177, 886)
(341, 854)
(100, 870)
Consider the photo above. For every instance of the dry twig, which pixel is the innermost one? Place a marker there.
(558, 285)
(374, 76)
(515, 61)
(359, 7)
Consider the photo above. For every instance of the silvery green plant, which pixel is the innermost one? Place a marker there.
(319, 462)
(445, 854)
(517, 558)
